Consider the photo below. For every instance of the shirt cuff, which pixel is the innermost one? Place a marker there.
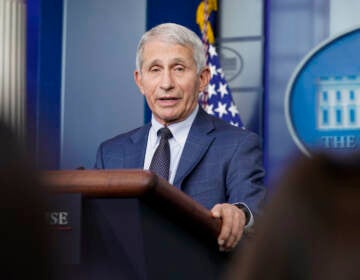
(248, 214)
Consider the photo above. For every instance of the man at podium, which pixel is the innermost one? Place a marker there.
(215, 163)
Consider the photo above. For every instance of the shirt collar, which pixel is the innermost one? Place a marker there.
(179, 130)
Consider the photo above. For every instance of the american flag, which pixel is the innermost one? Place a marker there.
(217, 100)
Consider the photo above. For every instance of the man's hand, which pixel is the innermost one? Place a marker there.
(233, 223)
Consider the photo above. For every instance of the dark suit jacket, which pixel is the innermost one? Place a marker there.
(220, 163)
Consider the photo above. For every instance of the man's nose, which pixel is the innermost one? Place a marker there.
(167, 81)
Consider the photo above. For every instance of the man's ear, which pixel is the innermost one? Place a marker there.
(204, 78)
(138, 81)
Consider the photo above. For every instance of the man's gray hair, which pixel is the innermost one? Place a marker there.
(176, 34)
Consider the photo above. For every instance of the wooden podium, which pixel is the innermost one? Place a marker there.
(135, 225)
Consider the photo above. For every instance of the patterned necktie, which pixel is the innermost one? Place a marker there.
(160, 162)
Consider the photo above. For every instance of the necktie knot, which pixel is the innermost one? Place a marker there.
(164, 133)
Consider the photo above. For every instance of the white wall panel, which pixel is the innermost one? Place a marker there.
(344, 14)
(12, 64)
(100, 40)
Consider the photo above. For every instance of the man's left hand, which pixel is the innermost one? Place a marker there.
(233, 223)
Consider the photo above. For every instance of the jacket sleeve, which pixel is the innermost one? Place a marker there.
(245, 175)
(99, 164)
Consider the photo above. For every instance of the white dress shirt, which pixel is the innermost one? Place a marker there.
(180, 132)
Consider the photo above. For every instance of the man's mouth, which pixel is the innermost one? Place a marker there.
(168, 101)
(168, 98)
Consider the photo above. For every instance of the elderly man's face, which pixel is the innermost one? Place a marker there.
(169, 81)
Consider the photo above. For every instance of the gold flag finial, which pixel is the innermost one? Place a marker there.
(202, 15)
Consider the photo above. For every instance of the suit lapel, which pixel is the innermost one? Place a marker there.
(197, 143)
(135, 152)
